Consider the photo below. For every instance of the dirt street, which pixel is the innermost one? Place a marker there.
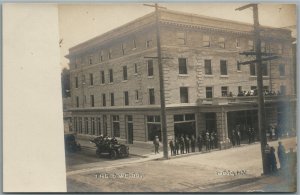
(233, 170)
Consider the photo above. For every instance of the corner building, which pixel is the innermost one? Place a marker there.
(115, 79)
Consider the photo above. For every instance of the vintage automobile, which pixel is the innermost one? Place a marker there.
(111, 147)
(71, 145)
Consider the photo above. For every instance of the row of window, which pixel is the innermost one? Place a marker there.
(184, 95)
(182, 67)
(151, 95)
(181, 40)
(96, 126)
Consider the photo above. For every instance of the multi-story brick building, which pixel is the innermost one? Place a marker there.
(115, 82)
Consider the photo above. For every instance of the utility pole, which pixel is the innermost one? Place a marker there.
(261, 104)
(161, 84)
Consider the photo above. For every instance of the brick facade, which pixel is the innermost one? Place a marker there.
(183, 36)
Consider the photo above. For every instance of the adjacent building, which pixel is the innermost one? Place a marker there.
(115, 80)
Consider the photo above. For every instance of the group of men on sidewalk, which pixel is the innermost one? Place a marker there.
(184, 144)
(270, 158)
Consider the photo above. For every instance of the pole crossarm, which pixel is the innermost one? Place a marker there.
(244, 7)
(256, 61)
(159, 7)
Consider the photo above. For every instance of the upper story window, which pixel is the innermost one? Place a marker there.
(150, 67)
(281, 70)
(103, 99)
(181, 38)
(148, 43)
(77, 101)
(250, 45)
(83, 79)
(123, 47)
(237, 42)
(238, 66)
(221, 42)
(209, 92)
(182, 66)
(101, 56)
(124, 72)
(184, 95)
(135, 68)
(112, 99)
(102, 77)
(263, 46)
(207, 66)
(110, 54)
(206, 41)
(76, 82)
(92, 101)
(90, 60)
(91, 79)
(136, 94)
(252, 70)
(223, 67)
(224, 91)
(151, 96)
(111, 76)
(126, 98)
(264, 69)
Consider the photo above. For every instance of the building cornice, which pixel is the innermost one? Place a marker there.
(187, 20)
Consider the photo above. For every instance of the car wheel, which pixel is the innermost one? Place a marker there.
(113, 154)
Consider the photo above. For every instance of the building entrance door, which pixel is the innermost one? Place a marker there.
(129, 130)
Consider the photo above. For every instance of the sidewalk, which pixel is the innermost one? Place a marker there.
(146, 150)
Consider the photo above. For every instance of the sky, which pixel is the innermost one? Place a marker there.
(81, 22)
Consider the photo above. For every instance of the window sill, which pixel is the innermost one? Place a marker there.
(252, 76)
(135, 74)
(209, 75)
(111, 83)
(224, 76)
(183, 75)
(239, 71)
(150, 77)
(124, 81)
(282, 77)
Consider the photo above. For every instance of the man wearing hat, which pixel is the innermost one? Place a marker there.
(156, 144)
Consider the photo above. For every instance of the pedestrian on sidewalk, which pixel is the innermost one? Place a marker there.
(211, 138)
(176, 146)
(156, 144)
(171, 144)
(273, 162)
(281, 155)
(238, 137)
(199, 143)
(233, 137)
(187, 144)
(193, 143)
(207, 140)
(181, 144)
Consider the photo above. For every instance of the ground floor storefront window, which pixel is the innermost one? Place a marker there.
(153, 127)
(185, 125)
